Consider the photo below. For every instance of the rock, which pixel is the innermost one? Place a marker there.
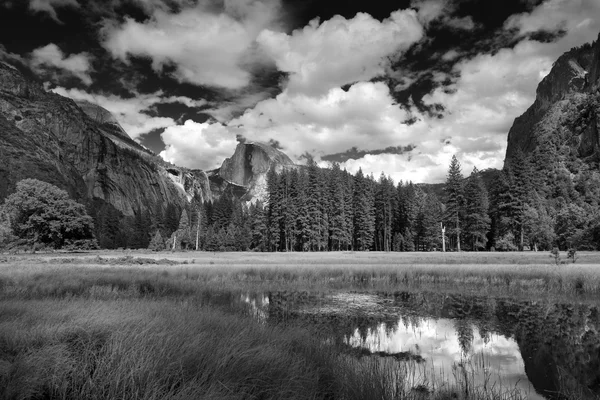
(49, 137)
(103, 117)
(573, 75)
(81, 147)
(248, 167)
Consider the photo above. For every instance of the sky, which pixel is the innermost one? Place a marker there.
(387, 86)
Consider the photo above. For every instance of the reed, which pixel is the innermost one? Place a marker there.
(90, 349)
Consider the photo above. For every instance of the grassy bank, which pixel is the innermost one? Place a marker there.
(189, 273)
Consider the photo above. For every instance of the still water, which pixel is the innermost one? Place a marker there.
(545, 350)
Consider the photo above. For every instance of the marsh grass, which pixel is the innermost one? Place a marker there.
(89, 330)
(25, 276)
(131, 349)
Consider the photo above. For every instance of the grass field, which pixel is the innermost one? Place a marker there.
(526, 275)
(134, 325)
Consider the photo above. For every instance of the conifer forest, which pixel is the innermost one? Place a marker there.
(524, 206)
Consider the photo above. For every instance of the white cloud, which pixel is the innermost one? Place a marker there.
(430, 10)
(313, 114)
(441, 11)
(206, 48)
(131, 113)
(49, 6)
(464, 23)
(364, 116)
(195, 145)
(225, 111)
(580, 18)
(340, 51)
(51, 56)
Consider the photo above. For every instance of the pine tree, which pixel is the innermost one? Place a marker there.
(477, 220)
(273, 211)
(258, 227)
(317, 217)
(384, 206)
(337, 209)
(364, 212)
(521, 191)
(454, 199)
(157, 243)
(171, 219)
(348, 210)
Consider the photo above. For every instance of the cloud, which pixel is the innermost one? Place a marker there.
(340, 51)
(355, 154)
(441, 11)
(226, 110)
(51, 56)
(204, 47)
(364, 116)
(464, 23)
(199, 146)
(49, 7)
(580, 19)
(430, 10)
(313, 114)
(132, 113)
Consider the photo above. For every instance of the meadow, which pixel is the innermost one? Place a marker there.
(135, 325)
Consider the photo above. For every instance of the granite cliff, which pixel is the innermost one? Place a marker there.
(247, 168)
(565, 110)
(80, 147)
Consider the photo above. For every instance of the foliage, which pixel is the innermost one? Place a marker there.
(157, 243)
(455, 198)
(506, 243)
(42, 213)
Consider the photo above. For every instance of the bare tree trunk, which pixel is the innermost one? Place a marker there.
(457, 235)
(443, 237)
(198, 231)
(521, 239)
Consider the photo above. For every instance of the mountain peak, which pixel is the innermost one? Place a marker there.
(249, 165)
(576, 71)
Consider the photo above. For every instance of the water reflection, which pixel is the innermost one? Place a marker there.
(547, 350)
(450, 349)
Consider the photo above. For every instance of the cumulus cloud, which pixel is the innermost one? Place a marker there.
(51, 56)
(313, 114)
(195, 145)
(132, 113)
(364, 117)
(205, 47)
(340, 51)
(49, 7)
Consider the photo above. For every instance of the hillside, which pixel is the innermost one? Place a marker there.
(80, 147)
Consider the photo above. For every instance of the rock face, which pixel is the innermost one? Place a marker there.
(248, 167)
(50, 137)
(80, 147)
(106, 121)
(570, 88)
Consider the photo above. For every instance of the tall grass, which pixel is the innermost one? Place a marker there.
(131, 349)
(561, 282)
(93, 330)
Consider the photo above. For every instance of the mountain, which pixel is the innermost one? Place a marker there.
(565, 111)
(80, 147)
(248, 166)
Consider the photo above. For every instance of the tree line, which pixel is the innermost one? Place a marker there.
(532, 203)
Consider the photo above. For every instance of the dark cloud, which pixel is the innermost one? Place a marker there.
(356, 154)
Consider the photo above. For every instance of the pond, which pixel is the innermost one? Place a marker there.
(543, 349)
